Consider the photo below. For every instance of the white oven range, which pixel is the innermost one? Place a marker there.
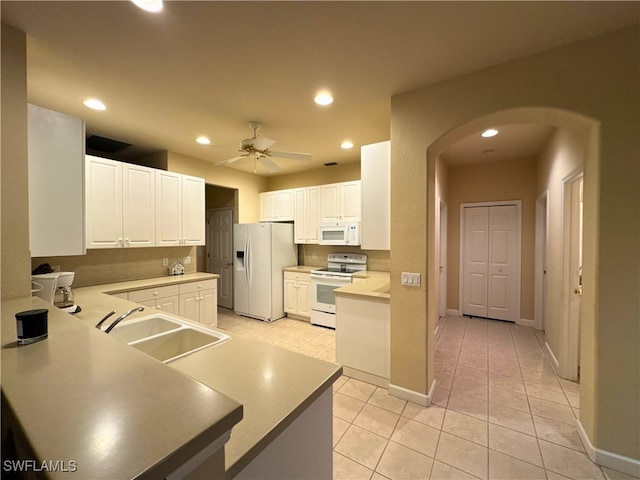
(339, 272)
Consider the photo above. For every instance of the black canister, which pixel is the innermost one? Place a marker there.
(32, 326)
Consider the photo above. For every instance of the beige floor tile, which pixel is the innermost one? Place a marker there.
(361, 446)
(416, 436)
(508, 399)
(507, 383)
(515, 444)
(545, 392)
(433, 415)
(346, 469)
(574, 398)
(557, 432)
(470, 373)
(358, 389)
(382, 399)
(377, 476)
(465, 426)
(552, 410)
(569, 386)
(511, 418)
(442, 471)
(441, 397)
(377, 420)
(568, 462)
(345, 407)
(471, 388)
(339, 427)
(471, 361)
(339, 382)
(507, 369)
(469, 405)
(504, 467)
(444, 380)
(463, 455)
(399, 462)
(544, 378)
(443, 367)
(555, 476)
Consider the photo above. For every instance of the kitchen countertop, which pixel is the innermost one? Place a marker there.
(300, 268)
(273, 385)
(370, 283)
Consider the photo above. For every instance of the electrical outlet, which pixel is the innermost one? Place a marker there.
(410, 279)
(187, 260)
(165, 262)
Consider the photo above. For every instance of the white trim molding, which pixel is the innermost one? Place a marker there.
(628, 465)
(453, 313)
(551, 357)
(526, 323)
(413, 396)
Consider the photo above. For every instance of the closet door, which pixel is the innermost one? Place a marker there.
(490, 255)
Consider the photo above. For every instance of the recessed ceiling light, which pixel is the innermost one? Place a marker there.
(153, 6)
(323, 98)
(491, 132)
(94, 104)
(202, 140)
(346, 145)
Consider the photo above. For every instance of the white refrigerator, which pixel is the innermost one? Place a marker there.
(261, 251)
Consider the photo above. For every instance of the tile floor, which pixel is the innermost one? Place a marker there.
(499, 411)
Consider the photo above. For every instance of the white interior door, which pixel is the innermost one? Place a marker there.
(220, 252)
(490, 258)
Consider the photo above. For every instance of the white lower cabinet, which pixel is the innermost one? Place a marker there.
(199, 301)
(164, 299)
(297, 294)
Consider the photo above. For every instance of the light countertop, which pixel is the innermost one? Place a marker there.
(301, 268)
(370, 284)
(134, 393)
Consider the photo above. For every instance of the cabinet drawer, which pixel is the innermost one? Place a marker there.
(192, 287)
(153, 293)
(300, 276)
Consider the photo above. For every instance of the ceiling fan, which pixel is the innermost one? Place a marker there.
(258, 148)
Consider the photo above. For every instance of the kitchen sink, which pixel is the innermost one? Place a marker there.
(166, 338)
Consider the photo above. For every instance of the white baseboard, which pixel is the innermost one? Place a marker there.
(552, 358)
(620, 463)
(365, 376)
(525, 322)
(453, 313)
(413, 396)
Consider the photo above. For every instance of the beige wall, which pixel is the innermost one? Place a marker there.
(319, 176)
(512, 180)
(15, 271)
(220, 197)
(563, 155)
(247, 184)
(585, 78)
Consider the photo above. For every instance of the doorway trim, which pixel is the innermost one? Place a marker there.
(518, 274)
(443, 238)
(540, 269)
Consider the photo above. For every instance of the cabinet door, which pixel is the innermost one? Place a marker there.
(330, 202)
(290, 295)
(168, 208)
(375, 184)
(168, 305)
(190, 306)
(138, 206)
(267, 206)
(313, 214)
(209, 307)
(300, 219)
(350, 201)
(285, 205)
(304, 298)
(103, 187)
(193, 211)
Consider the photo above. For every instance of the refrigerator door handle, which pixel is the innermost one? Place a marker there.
(247, 268)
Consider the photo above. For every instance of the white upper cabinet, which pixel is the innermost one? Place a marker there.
(277, 206)
(307, 216)
(120, 200)
(180, 209)
(340, 201)
(56, 178)
(375, 170)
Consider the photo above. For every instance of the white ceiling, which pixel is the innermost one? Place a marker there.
(207, 68)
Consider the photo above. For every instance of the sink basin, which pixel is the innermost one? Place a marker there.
(164, 337)
(176, 344)
(142, 328)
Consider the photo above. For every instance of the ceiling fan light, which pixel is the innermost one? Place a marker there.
(491, 132)
(323, 98)
(202, 140)
(94, 104)
(346, 145)
(153, 6)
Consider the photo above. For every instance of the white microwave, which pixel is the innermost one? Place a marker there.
(339, 233)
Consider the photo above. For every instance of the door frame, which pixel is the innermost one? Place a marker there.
(442, 299)
(209, 244)
(518, 273)
(570, 347)
(540, 268)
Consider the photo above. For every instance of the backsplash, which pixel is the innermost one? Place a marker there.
(316, 256)
(101, 266)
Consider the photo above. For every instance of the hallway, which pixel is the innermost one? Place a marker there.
(499, 411)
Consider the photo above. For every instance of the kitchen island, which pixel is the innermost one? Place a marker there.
(118, 413)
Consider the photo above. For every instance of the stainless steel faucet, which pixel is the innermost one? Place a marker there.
(119, 319)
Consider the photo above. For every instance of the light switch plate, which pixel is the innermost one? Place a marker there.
(410, 279)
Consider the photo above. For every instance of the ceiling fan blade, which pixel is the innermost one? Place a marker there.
(292, 155)
(269, 164)
(231, 160)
